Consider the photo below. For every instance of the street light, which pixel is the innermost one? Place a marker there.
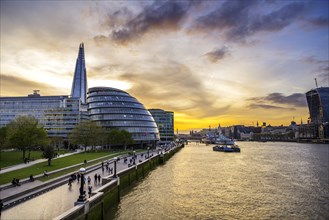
(115, 166)
(134, 156)
(82, 196)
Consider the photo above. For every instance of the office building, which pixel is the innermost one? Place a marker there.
(165, 123)
(58, 114)
(318, 105)
(114, 108)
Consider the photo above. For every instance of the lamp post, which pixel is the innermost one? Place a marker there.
(134, 156)
(82, 196)
(115, 166)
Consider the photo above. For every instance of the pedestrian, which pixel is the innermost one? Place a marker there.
(89, 190)
(99, 178)
(45, 173)
(95, 178)
(102, 164)
(14, 182)
(103, 170)
(89, 180)
(31, 178)
(17, 182)
(78, 177)
(70, 182)
(1, 205)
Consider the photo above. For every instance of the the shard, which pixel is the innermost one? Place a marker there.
(79, 85)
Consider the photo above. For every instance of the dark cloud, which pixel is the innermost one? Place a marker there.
(217, 54)
(278, 100)
(159, 15)
(18, 86)
(100, 40)
(320, 21)
(175, 83)
(239, 19)
(264, 106)
(295, 99)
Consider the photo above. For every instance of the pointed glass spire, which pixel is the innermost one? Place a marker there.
(79, 85)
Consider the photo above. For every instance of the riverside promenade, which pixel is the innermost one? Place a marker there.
(54, 197)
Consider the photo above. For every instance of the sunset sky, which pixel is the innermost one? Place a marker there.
(210, 62)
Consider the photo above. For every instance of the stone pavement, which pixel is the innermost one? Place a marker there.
(61, 193)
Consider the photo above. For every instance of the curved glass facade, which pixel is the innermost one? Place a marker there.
(114, 108)
(318, 104)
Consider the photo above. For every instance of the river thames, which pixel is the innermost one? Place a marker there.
(265, 181)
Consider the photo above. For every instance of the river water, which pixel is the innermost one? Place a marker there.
(264, 181)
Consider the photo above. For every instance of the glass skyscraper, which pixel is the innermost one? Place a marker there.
(165, 123)
(79, 85)
(318, 104)
(114, 108)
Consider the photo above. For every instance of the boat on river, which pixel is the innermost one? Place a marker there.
(227, 148)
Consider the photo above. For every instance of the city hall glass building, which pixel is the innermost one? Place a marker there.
(318, 104)
(114, 108)
(165, 123)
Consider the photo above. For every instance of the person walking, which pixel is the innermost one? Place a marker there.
(99, 178)
(95, 178)
(78, 177)
(1, 205)
(89, 180)
(89, 190)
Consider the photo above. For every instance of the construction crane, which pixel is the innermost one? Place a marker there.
(316, 83)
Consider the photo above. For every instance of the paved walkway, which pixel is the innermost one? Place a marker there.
(63, 195)
(23, 165)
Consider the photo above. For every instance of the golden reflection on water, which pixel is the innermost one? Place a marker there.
(264, 181)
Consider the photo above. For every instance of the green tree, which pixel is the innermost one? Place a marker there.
(87, 133)
(126, 138)
(48, 153)
(3, 137)
(113, 135)
(56, 141)
(25, 133)
(119, 137)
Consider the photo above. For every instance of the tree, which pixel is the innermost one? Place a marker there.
(122, 137)
(48, 153)
(25, 133)
(56, 141)
(87, 133)
(3, 137)
(113, 137)
(126, 138)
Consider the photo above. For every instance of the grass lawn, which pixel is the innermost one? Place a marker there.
(10, 158)
(55, 165)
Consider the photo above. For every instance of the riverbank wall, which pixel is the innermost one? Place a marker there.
(107, 196)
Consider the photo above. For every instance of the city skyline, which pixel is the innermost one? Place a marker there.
(212, 62)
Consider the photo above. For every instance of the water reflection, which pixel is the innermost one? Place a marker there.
(264, 181)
